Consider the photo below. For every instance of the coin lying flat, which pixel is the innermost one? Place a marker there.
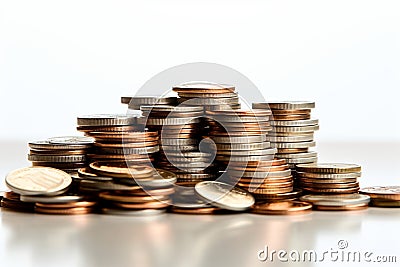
(106, 120)
(282, 208)
(329, 168)
(53, 199)
(336, 200)
(286, 105)
(224, 196)
(38, 181)
(382, 192)
(71, 140)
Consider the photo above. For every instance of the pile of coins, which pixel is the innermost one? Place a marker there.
(208, 96)
(383, 196)
(67, 153)
(293, 132)
(329, 178)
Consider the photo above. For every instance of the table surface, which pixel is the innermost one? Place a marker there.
(204, 240)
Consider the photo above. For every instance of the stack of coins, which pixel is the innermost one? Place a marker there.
(239, 137)
(267, 180)
(383, 196)
(129, 190)
(118, 138)
(208, 96)
(340, 202)
(329, 178)
(293, 132)
(180, 134)
(67, 153)
(135, 102)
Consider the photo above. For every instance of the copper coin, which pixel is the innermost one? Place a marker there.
(68, 211)
(341, 208)
(292, 150)
(330, 185)
(262, 169)
(266, 186)
(327, 181)
(146, 205)
(291, 111)
(263, 191)
(274, 162)
(385, 203)
(131, 198)
(127, 145)
(292, 117)
(122, 170)
(282, 208)
(266, 180)
(280, 196)
(57, 152)
(77, 204)
(332, 190)
(147, 192)
(128, 128)
(196, 211)
(16, 204)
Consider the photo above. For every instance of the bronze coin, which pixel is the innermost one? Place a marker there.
(67, 211)
(282, 208)
(332, 190)
(130, 198)
(292, 117)
(77, 204)
(341, 208)
(291, 111)
(292, 150)
(196, 211)
(263, 191)
(146, 205)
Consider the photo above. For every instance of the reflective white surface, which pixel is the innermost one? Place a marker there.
(219, 240)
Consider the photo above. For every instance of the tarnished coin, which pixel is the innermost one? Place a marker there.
(383, 192)
(72, 140)
(336, 200)
(329, 168)
(282, 208)
(38, 181)
(224, 196)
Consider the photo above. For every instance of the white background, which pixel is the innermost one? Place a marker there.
(60, 59)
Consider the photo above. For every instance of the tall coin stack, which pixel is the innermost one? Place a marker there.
(67, 153)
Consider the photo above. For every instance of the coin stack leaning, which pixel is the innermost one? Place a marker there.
(293, 132)
(329, 178)
(67, 153)
(208, 96)
(180, 133)
(135, 102)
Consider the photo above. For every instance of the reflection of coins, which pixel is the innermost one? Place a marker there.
(224, 196)
(38, 181)
(282, 208)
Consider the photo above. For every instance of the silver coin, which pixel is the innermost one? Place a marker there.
(46, 145)
(57, 158)
(296, 155)
(191, 155)
(224, 196)
(302, 160)
(293, 145)
(127, 212)
(88, 184)
(241, 139)
(294, 138)
(251, 146)
(38, 181)
(148, 100)
(285, 105)
(294, 122)
(177, 141)
(71, 140)
(336, 200)
(244, 159)
(180, 148)
(256, 152)
(106, 120)
(163, 108)
(329, 175)
(209, 101)
(172, 121)
(240, 119)
(206, 95)
(54, 199)
(260, 174)
(297, 129)
(327, 181)
(274, 134)
(129, 151)
(187, 160)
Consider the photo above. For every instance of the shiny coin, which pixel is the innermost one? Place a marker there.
(351, 175)
(302, 160)
(285, 105)
(172, 121)
(294, 138)
(297, 155)
(245, 158)
(106, 120)
(126, 212)
(71, 140)
(53, 199)
(280, 196)
(282, 208)
(292, 117)
(336, 200)
(257, 152)
(385, 203)
(293, 145)
(224, 195)
(116, 170)
(341, 208)
(56, 158)
(332, 190)
(296, 129)
(382, 192)
(69, 211)
(46, 145)
(251, 146)
(294, 123)
(196, 211)
(38, 181)
(204, 88)
(242, 140)
(329, 168)
(67, 205)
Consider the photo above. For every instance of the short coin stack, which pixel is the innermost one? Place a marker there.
(293, 132)
(208, 96)
(329, 178)
(66, 153)
(383, 196)
(340, 202)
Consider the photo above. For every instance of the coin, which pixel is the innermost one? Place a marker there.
(282, 208)
(38, 181)
(128, 212)
(285, 105)
(351, 175)
(382, 192)
(56, 158)
(69, 211)
(196, 211)
(52, 199)
(46, 145)
(336, 200)
(329, 168)
(71, 140)
(294, 123)
(384, 203)
(296, 129)
(294, 138)
(66, 205)
(293, 145)
(341, 208)
(224, 195)
(116, 170)
(204, 88)
(106, 120)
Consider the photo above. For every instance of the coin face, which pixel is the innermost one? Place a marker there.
(38, 181)
(72, 140)
(224, 195)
